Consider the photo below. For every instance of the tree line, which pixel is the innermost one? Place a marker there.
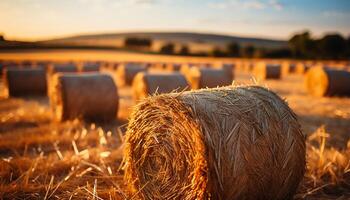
(300, 46)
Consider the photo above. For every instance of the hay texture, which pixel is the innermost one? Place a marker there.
(222, 143)
(145, 84)
(22, 82)
(263, 71)
(89, 96)
(207, 77)
(127, 72)
(321, 81)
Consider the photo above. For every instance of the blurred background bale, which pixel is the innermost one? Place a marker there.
(302, 68)
(288, 68)
(223, 143)
(145, 84)
(89, 96)
(89, 67)
(207, 77)
(61, 68)
(23, 82)
(323, 81)
(126, 72)
(263, 71)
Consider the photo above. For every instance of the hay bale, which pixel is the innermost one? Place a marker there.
(263, 71)
(22, 82)
(302, 68)
(321, 81)
(229, 68)
(207, 77)
(128, 71)
(223, 143)
(173, 67)
(145, 84)
(288, 68)
(90, 96)
(90, 67)
(62, 68)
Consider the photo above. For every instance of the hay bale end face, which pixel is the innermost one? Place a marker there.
(145, 84)
(207, 77)
(321, 81)
(263, 71)
(127, 72)
(22, 82)
(222, 143)
(89, 96)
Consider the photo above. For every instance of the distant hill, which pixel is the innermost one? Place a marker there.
(116, 39)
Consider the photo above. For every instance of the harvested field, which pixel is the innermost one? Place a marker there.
(43, 159)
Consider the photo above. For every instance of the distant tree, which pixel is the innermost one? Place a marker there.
(184, 50)
(248, 51)
(133, 42)
(217, 52)
(233, 49)
(302, 46)
(168, 48)
(333, 46)
(2, 38)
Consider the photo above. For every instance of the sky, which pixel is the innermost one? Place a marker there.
(277, 19)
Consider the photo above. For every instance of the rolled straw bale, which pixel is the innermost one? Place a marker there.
(90, 67)
(263, 71)
(173, 67)
(90, 96)
(128, 71)
(223, 143)
(145, 84)
(229, 69)
(327, 82)
(207, 77)
(302, 68)
(21, 82)
(288, 68)
(56, 68)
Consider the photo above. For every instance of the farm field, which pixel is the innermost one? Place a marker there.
(44, 159)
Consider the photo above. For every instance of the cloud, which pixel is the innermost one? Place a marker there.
(276, 4)
(247, 4)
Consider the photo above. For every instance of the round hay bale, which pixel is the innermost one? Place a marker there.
(173, 67)
(263, 71)
(127, 72)
(222, 143)
(302, 68)
(321, 81)
(62, 68)
(229, 68)
(89, 96)
(288, 68)
(207, 77)
(22, 82)
(145, 84)
(90, 67)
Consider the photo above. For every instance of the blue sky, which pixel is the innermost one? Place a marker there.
(43, 19)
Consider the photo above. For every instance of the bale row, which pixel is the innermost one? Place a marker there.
(223, 143)
(127, 72)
